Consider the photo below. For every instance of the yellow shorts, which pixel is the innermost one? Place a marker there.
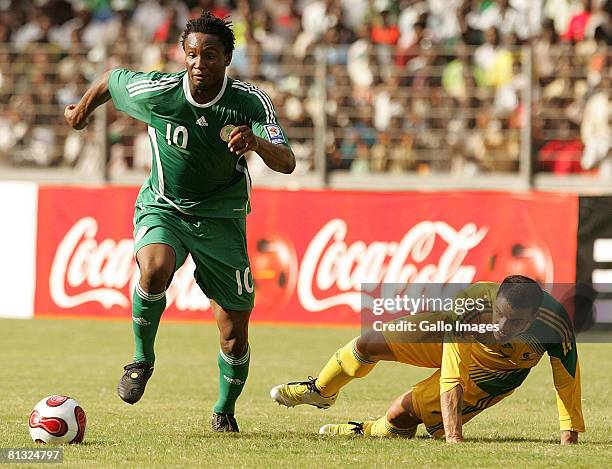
(426, 403)
(426, 394)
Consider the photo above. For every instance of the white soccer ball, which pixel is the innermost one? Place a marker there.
(57, 419)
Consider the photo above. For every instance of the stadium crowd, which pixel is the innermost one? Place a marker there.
(426, 86)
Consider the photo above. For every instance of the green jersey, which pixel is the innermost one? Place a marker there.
(193, 171)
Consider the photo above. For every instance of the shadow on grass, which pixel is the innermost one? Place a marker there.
(261, 435)
(522, 439)
(96, 444)
(514, 439)
(254, 435)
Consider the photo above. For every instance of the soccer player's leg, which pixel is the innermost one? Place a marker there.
(399, 421)
(425, 406)
(354, 360)
(233, 361)
(419, 405)
(223, 274)
(159, 253)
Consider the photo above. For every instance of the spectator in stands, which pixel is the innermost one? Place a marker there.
(384, 28)
(381, 153)
(150, 14)
(494, 60)
(483, 16)
(361, 163)
(82, 29)
(443, 19)
(561, 155)
(560, 12)
(169, 30)
(359, 61)
(402, 155)
(407, 64)
(578, 23)
(121, 27)
(360, 136)
(410, 49)
(35, 30)
(595, 128)
(384, 102)
(599, 22)
(543, 58)
(454, 74)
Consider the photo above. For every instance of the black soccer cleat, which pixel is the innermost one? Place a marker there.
(224, 423)
(132, 384)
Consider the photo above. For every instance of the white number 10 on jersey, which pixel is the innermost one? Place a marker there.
(248, 285)
(180, 132)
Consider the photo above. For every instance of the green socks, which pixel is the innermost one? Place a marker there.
(233, 372)
(147, 309)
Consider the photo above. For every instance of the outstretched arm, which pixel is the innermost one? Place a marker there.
(77, 115)
(454, 375)
(567, 385)
(451, 405)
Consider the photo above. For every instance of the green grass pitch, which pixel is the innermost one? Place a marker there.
(170, 426)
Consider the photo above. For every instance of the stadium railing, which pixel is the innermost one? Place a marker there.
(432, 118)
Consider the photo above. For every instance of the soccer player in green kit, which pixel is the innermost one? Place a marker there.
(195, 201)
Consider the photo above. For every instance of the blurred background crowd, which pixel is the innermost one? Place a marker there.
(423, 86)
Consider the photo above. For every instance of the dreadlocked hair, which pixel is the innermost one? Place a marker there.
(208, 23)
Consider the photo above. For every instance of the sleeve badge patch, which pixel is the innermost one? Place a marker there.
(275, 134)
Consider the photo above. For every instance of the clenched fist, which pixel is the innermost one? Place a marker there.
(242, 139)
(75, 117)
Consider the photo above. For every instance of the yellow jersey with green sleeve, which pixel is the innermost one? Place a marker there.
(499, 368)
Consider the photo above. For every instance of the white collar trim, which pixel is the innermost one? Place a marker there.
(192, 101)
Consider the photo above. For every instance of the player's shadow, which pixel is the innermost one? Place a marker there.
(522, 439)
(514, 439)
(313, 436)
(97, 443)
(255, 435)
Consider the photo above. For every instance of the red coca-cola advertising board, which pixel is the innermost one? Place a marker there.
(309, 250)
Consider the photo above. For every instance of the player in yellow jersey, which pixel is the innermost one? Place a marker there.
(474, 370)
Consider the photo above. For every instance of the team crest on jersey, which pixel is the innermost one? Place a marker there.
(275, 134)
(226, 131)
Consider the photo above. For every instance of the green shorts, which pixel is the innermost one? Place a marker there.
(217, 246)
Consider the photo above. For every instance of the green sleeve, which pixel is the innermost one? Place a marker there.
(563, 344)
(132, 91)
(264, 122)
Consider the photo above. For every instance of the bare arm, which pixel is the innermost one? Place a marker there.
(76, 115)
(451, 403)
(277, 157)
